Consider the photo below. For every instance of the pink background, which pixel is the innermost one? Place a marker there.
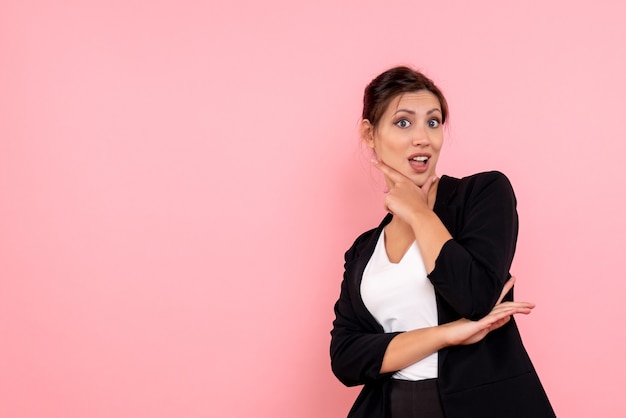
(179, 181)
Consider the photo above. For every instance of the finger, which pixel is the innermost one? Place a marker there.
(429, 182)
(525, 306)
(499, 323)
(386, 205)
(489, 320)
(496, 316)
(509, 313)
(392, 174)
(509, 308)
(507, 286)
(515, 305)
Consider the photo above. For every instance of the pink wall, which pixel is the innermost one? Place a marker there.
(179, 181)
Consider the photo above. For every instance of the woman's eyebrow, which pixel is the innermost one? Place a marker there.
(412, 112)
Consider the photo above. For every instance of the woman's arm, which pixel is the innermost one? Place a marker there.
(412, 346)
(469, 270)
(360, 354)
(358, 343)
(410, 203)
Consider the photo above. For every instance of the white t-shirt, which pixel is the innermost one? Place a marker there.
(401, 298)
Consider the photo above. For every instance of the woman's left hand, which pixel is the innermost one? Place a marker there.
(499, 316)
(405, 199)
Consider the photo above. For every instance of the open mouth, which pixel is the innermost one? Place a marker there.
(420, 159)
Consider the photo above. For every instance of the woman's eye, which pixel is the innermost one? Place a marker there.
(433, 123)
(403, 123)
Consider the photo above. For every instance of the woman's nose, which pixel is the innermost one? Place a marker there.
(420, 137)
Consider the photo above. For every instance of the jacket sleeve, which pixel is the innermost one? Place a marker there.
(357, 346)
(471, 268)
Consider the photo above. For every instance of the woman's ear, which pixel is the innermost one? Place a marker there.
(366, 129)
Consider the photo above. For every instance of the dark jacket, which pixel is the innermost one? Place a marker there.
(492, 378)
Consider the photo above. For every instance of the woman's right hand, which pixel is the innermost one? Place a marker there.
(465, 331)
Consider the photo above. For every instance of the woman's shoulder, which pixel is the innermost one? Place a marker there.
(478, 183)
(484, 177)
(366, 239)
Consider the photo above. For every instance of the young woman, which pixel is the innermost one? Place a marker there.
(424, 318)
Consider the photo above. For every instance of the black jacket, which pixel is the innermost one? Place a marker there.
(492, 378)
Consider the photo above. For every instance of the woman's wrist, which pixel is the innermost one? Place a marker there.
(450, 336)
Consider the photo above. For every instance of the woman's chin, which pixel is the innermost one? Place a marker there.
(421, 179)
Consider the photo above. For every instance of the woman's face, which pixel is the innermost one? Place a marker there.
(409, 135)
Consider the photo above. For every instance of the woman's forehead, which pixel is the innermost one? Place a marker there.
(415, 100)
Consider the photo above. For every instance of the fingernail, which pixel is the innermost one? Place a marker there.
(374, 161)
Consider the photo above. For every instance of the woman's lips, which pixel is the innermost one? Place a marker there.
(419, 163)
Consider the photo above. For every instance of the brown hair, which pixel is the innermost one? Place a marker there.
(398, 80)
